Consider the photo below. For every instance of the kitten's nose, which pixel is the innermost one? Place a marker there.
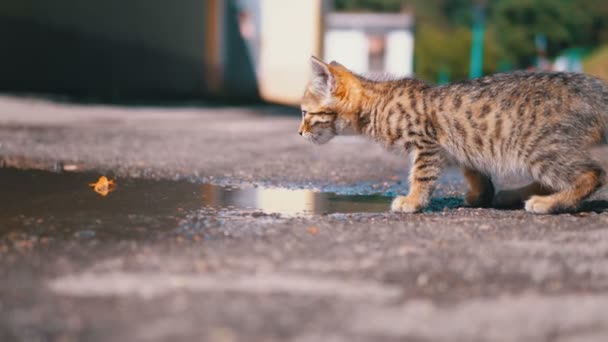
(300, 132)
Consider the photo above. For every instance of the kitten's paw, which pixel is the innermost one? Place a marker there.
(478, 200)
(540, 205)
(508, 199)
(407, 204)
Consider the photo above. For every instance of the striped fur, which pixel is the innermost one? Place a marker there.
(537, 124)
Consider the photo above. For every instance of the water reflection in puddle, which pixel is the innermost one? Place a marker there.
(291, 202)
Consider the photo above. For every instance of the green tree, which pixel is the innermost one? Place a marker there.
(436, 49)
(562, 22)
(597, 63)
(368, 5)
(443, 30)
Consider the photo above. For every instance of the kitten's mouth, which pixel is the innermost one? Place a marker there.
(318, 138)
(311, 138)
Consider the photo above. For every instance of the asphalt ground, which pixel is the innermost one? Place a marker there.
(149, 262)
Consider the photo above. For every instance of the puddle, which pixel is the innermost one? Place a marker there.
(44, 200)
(48, 192)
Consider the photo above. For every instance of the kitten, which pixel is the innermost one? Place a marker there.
(534, 123)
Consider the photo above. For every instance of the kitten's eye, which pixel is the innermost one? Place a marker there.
(304, 114)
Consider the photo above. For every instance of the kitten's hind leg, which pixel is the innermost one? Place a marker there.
(481, 189)
(515, 198)
(586, 178)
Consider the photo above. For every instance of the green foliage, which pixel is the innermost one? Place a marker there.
(565, 23)
(436, 49)
(369, 5)
(443, 34)
(597, 63)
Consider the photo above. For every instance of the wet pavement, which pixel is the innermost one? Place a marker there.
(225, 226)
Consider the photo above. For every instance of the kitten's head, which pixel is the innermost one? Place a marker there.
(330, 102)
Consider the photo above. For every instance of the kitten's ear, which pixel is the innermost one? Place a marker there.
(323, 81)
(336, 64)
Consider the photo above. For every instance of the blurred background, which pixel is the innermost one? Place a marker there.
(252, 50)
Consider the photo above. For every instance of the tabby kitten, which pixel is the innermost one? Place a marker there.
(534, 123)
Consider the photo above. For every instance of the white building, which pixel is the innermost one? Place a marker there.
(370, 42)
(282, 35)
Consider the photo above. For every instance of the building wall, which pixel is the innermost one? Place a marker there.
(290, 32)
(115, 48)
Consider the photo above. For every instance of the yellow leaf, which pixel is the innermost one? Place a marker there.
(103, 186)
(313, 230)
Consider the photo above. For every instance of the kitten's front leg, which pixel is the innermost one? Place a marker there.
(428, 164)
